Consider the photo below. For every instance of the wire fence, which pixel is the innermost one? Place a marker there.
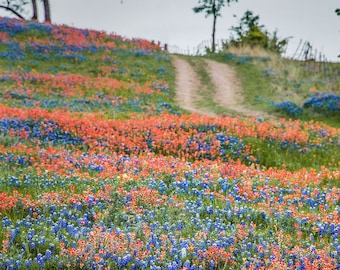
(200, 49)
(312, 57)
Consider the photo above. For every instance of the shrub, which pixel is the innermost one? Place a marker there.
(251, 33)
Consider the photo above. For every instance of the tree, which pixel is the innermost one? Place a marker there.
(35, 10)
(337, 11)
(251, 33)
(18, 8)
(47, 11)
(15, 7)
(212, 7)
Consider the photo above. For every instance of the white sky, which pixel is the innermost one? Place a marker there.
(173, 21)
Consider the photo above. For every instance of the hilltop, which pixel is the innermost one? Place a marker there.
(102, 168)
(77, 69)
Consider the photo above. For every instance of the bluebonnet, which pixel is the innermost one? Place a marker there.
(323, 102)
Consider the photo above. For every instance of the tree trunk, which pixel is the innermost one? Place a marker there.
(214, 11)
(35, 10)
(213, 35)
(47, 11)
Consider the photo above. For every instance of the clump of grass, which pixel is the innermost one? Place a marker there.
(250, 51)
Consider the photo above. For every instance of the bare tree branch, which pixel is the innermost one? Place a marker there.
(13, 11)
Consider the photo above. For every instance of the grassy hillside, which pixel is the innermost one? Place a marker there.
(100, 169)
(53, 67)
(305, 90)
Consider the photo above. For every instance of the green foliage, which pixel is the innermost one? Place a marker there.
(251, 33)
(211, 7)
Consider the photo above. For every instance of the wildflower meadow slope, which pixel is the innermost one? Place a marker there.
(100, 169)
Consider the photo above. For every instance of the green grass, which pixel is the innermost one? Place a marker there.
(258, 89)
(254, 85)
(275, 79)
(206, 93)
(272, 154)
(75, 187)
(207, 90)
(122, 64)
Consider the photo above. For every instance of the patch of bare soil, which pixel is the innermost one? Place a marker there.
(228, 93)
(187, 86)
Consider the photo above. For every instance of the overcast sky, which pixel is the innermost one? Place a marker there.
(173, 21)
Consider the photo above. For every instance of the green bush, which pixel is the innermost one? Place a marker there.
(251, 33)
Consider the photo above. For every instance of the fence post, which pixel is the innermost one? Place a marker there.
(297, 49)
(314, 59)
(302, 50)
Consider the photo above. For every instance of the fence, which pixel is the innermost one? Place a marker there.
(198, 50)
(311, 58)
(314, 60)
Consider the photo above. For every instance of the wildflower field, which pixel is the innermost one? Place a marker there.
(99, 169)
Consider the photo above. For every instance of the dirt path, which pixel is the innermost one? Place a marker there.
(228, 93)
(187, 86)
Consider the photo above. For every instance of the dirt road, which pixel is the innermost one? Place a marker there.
(227, 92)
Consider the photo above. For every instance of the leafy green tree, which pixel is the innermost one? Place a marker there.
(212, 7)
(250, 32)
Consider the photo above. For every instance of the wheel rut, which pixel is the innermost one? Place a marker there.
(227, 92)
